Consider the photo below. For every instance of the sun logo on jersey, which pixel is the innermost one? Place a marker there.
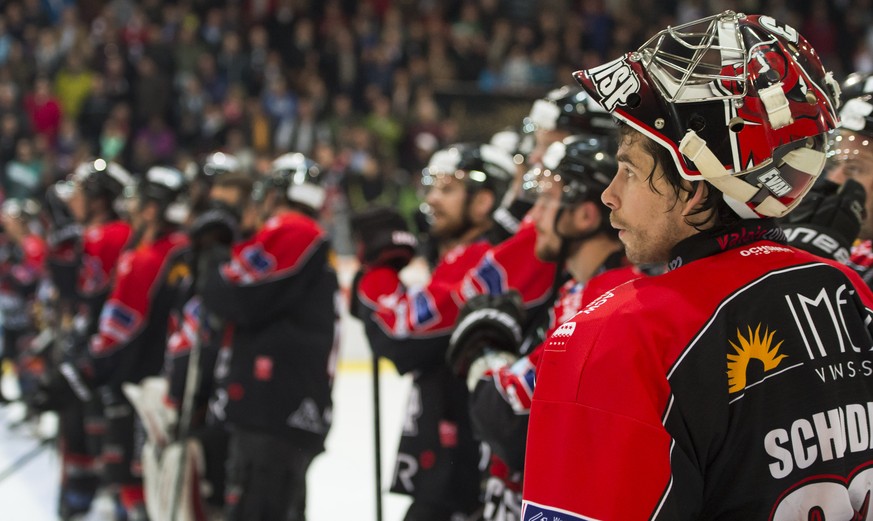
(755, 346)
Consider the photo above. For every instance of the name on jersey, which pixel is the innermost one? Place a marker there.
(824, 436)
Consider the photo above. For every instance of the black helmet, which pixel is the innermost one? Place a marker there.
(479, 166)
(165, 186)
(299, 178)
(570, 109)
(856, 113)
(217, 164)
(583, 163)
(101, 178)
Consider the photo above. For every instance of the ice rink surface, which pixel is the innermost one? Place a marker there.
(341, 480)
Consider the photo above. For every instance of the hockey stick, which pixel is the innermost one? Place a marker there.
(25, 458)
(192, 380)
(378, 436)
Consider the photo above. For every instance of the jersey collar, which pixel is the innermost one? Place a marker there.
(711, 242)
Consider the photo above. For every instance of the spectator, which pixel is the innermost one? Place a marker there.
(154, 144)
(94, 111)
(73, 84)
(152, 93)
(23, 174)
(43, 109)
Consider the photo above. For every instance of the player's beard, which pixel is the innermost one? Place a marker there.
(451, 229)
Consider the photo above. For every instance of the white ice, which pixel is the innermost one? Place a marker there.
(341, 481)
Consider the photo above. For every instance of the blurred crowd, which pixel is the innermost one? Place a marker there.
(353, 84)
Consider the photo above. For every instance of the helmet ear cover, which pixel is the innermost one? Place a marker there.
(742, 102)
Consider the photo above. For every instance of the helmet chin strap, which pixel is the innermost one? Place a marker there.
(695, 149)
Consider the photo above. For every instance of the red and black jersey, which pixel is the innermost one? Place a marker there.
(280, 294)
(501, 401)
(438, 457)
(20, 273)
(861, 260)
(132, 328)
(102, 245)
(734, 387)
(411, 327)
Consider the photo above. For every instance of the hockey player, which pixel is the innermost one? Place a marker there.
(194, 327)
(132, 327)
(707, 392)
(278, 291)
(437, 460)
(200, 182)
(563, 112)
(94, 198)
(851, 157)
(572, 227)
(20, 273)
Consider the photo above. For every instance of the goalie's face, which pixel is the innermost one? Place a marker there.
(853, 159)
(644, 207)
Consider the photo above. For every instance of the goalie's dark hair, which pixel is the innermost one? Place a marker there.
(722, 214)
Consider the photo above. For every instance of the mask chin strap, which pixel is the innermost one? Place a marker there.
(695, 149)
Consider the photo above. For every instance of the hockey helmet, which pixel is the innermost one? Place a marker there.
(740, 101)
(583, 164)
(298, 178)
(570, 109)
(479, 166)
(165, 186)
(101, 178)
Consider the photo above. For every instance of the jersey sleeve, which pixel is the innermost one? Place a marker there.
(275, 267)
(191, 328)
(499, 408)
(512, 264)
(608, 453)
(123, 316)
(410, 327)
(26, 274)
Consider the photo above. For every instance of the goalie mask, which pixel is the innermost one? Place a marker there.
(740, 101)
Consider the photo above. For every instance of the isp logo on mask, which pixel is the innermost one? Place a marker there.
(615, 82)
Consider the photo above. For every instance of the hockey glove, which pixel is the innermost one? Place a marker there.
(507, 219)
(383, 238)
(219, 224)
(487, 324)
(60, 390)
(828, 219)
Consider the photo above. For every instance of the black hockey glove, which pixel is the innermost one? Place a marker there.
(61, 389)
(383, 238)
(507, 219)
(219, 224)
(828, 219)
(486, 324)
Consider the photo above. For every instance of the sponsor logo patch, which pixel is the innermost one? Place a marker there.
(615, 82)
(755, 346)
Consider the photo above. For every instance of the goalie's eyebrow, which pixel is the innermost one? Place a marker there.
(623, 157)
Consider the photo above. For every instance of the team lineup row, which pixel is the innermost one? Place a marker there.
(643, 308)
